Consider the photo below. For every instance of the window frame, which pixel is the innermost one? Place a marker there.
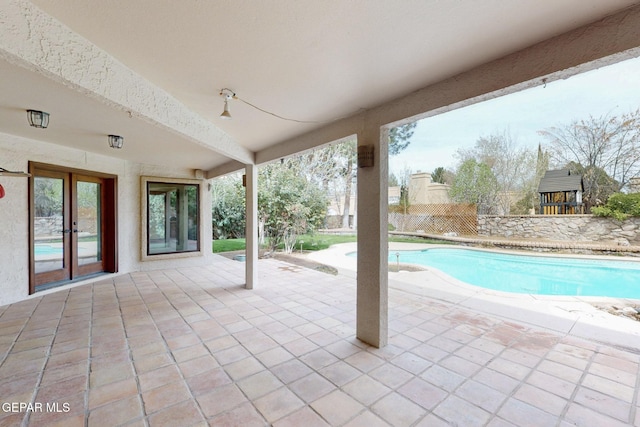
(144, 225)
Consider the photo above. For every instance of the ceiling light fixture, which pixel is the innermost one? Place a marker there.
(227, 94)
(38, 119)
(115, 141)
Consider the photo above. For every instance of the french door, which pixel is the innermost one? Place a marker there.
(72, 225)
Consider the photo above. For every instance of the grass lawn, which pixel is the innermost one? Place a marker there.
(228, 245)
(315, 242)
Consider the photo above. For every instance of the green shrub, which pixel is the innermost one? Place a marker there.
(620, 206)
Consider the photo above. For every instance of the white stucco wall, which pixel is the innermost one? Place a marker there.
(15, 154)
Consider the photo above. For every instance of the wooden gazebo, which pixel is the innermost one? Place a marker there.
(561, 193)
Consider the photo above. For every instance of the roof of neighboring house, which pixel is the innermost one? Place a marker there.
(560, 180)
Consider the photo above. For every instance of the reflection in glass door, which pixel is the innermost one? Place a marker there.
(87, 225)
(71, 232)
(51, 227)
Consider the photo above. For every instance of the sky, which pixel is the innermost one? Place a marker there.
(612, 90)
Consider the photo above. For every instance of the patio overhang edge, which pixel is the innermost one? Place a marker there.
(609, 40)
(225, 169)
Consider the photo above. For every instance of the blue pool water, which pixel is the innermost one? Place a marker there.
(542, 275)
(47, 250)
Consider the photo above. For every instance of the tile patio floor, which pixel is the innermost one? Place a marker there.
(191, 346)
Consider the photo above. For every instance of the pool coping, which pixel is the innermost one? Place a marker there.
(569, 315)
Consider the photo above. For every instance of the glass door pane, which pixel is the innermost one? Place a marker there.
(49, 224)
(74, 225)
(88, 223)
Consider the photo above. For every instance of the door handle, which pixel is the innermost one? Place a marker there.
(75, 230)
(68, 230)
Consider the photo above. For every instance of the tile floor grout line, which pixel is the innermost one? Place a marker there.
(200, 410)
(17, 336)
(635, 404)
(298, 357)
(434, 363)
(177, 296)
(571, 399)
(130, 352)
(168, 351)
(90, 343)
(36, 389)
(533, 370)
(469, 378)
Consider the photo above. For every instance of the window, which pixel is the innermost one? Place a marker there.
(171, 220)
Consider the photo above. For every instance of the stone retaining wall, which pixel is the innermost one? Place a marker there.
(562, 227)
(51, 226)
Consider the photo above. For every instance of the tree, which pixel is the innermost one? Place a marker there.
(475, 183)
(513, 166)
(438, 175)
(441, 175)
(48, 197)
(336, 164)
(602, 186)
(400, 138)
(530, 199)
(288, 204)
(604, 148)
(228, 207)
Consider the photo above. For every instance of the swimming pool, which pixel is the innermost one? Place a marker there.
(53, 251)
(47, 250)
(541, 275)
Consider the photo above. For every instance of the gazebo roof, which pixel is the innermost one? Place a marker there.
(560, 180)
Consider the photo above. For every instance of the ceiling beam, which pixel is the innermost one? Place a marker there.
(604, 42)
(225, 169)
(610, 40)
(36, 41)
(338, 131)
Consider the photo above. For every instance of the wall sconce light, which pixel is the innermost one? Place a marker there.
(365, 156)
(115, 141)
(38, 119)
(228, 94)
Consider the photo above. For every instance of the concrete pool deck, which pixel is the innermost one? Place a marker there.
(571, 315)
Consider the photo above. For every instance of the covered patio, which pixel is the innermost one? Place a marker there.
(134, 109)
(166, 330)
(191, 346)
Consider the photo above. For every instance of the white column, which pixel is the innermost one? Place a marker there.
(372, 291)
(251, 230)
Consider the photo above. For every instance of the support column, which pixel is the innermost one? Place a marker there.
(373, 266)
(251, 230)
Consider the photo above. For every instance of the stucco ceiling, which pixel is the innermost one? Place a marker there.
(306, 60)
